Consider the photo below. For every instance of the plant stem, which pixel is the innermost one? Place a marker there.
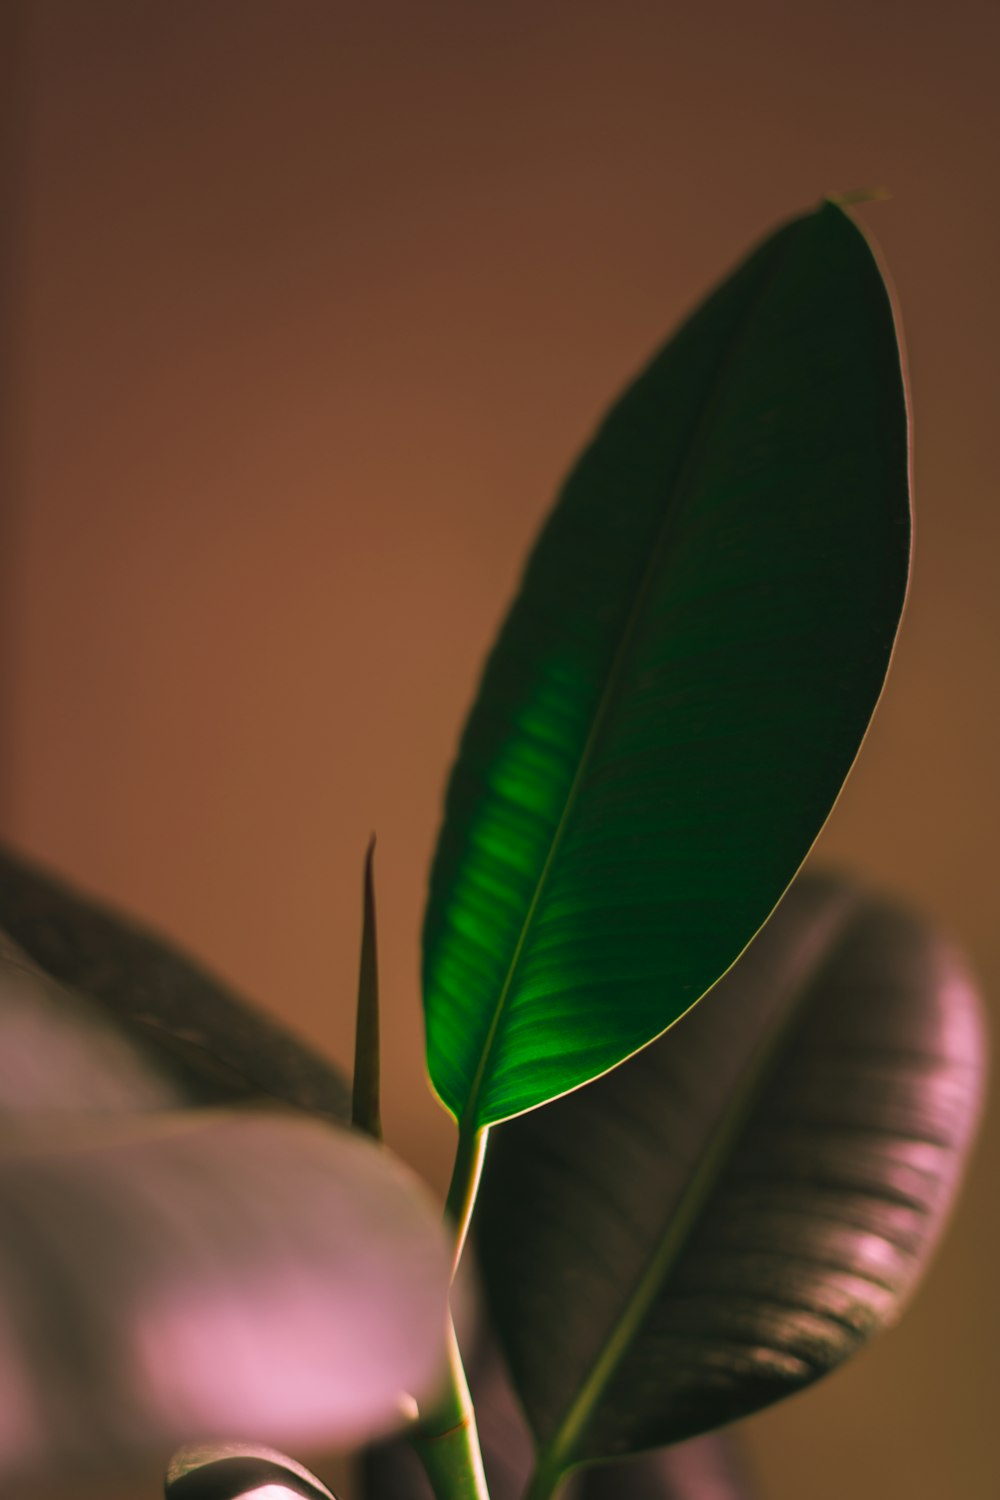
(447, 1442)
(461, 1198)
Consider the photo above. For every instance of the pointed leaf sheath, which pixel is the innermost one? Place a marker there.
(682, 683)
(167, 1278)
(366, 1110)
(736, 1209)
(190, 1039)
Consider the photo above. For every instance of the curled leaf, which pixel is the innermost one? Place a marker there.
(232, 1471)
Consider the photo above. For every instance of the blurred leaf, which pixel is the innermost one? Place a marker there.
(59, 1052)
(736, 1209)
(217, 1047)
(681, 685)
(226, 1471)
(173, 1277)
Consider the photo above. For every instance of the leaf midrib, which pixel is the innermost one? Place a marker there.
(468, 1123)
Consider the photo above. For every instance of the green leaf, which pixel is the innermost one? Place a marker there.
(228, 1471)
(168, 1277)
(736, 1209)
(216, 1046)
(681, 685)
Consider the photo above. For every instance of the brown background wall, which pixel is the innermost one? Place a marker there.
(314, 302)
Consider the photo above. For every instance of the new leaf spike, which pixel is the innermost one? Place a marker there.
(365, 1111)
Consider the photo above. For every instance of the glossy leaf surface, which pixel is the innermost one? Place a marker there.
(682, 683)
(172, 1277)
(216, 1046)
(230, 1471)
(736, 1209)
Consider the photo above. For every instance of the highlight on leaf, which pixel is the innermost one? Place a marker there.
(682, 683)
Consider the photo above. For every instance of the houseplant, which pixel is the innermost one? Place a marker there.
(679, 1217)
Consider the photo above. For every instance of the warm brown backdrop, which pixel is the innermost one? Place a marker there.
(313, 301)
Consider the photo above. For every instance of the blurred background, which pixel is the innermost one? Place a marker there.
(304, 309)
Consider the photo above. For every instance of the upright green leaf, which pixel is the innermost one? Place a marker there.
(681, 685)
(736, 1209)
(217, 1047)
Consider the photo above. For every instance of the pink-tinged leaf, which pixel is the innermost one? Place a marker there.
(202, 1276)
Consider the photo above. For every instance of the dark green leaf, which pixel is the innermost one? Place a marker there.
(736, 1209)
(217, 1047)
(681, 686)
(165, 1278)
(229, 1471)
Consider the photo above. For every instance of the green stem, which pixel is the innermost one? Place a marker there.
(447, 1442)
(461, 1198)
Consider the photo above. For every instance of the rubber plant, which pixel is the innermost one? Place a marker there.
(711, 1112)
